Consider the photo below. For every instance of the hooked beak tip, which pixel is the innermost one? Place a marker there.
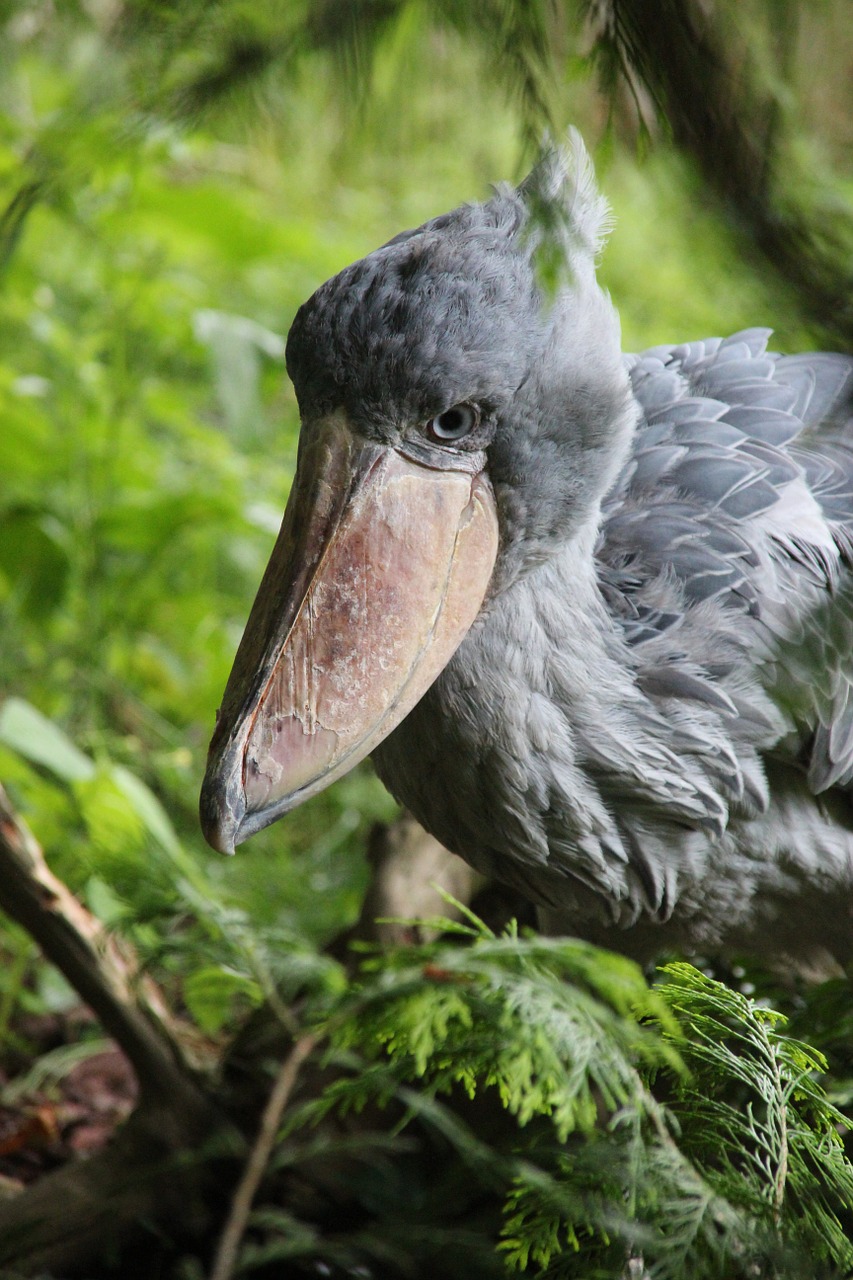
(221, 843)
(221, 818)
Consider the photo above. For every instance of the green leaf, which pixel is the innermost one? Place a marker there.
(113, 825)
(148, 809)
(104, 902)
(34, 560)
(210, 994)
(32, 735)
(236, 345)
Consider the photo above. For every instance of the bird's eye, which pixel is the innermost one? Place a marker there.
(453, 424)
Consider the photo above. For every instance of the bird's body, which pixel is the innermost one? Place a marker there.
(655, 725)
(643, 717)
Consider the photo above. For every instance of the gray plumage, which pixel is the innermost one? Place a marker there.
(650, 725)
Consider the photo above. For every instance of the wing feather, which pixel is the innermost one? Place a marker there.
(726, 548)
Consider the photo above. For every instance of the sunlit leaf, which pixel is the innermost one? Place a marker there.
(104, 902)
(113, 825)
(38, 739)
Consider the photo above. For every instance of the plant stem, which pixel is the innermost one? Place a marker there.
(259, 1156)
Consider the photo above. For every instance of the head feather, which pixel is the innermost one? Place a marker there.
(568, 218)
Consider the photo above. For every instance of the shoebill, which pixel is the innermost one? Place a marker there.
(590, 614)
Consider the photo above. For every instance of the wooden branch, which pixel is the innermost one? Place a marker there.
(732, 130)
(101, 970)
(259, 1157)
(410, 871)
(153, 1174)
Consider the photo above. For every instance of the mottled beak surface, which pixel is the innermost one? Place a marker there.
(380, 568)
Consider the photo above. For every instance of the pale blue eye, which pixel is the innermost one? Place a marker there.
(454, 423)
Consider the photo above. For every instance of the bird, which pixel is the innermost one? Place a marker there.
(590, 614)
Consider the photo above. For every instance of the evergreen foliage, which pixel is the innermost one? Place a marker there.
(677, 1124)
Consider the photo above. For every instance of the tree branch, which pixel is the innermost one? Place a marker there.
(153, 1174)
(102, 971)
(730, 125)
(259, 1157)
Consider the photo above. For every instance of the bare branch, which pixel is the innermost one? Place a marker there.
(259, 1158)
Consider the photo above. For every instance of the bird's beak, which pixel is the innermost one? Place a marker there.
(380, 568)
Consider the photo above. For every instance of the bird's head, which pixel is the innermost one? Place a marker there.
(464, 409)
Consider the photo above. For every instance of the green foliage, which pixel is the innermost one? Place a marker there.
(677, 1124)
(753, 1112)
(545, 1022)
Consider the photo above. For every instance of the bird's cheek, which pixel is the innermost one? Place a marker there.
(399, 569)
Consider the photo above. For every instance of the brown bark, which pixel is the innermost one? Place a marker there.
(101, 970)
(411, 878)
(153, 1180)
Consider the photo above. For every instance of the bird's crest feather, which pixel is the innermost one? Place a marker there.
(568, 218)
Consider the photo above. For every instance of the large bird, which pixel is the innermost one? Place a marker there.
(591, 614)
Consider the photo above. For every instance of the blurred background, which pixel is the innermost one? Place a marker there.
(175, 179)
